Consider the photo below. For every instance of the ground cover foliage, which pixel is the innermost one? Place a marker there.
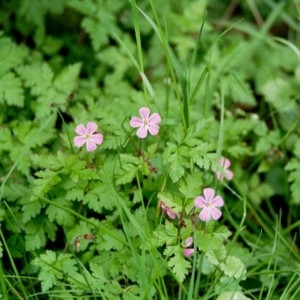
(122, 222)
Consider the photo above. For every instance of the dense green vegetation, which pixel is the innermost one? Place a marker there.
(149, 149)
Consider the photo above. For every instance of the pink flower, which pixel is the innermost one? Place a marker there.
(87, 135)
(146, 123)
(225, 164)
(168, 210)
(209, 204)
(187, 243)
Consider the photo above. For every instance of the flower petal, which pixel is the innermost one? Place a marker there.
(97, 138)
(136, 122)
(91, 127)
(142, 132)
(144, 112)
(155, 119)
(229, 174)
(208, 194)
(217, 201)
(219, 176)
(153, 129)
(225, 162)
(200, 202)
(80, 129)
(188, 242)
(188, 252)
(171, 214)
(91, 145)
(205, 214)
(79, 141)
(215, 213)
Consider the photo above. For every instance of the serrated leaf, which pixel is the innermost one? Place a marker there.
(59, 215)
(11, 90)
(165, 234)
(233, 267)
(179, 265)
(294, 177)
(175, 203)
(65, 81)
(35, 240)
(37, 76)
(207, 241)
(47, 180)
(11, 55)
(217, 255)
(129, 166)
(232, 296)
(175, 161)
(30, 210)
(112, 241)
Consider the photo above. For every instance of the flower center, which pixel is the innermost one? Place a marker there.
(145, 122)
(88, 136)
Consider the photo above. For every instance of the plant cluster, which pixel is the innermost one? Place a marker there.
(194, 198)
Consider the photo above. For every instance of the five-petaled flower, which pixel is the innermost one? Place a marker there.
(225, 164)
(187, 243)
(168, 210)
(209, 204)
(87, 135)
(146, 123)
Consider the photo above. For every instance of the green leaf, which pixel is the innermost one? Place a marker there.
(11, 90)
(215, 256)
(175, 161)
(59, 215)
(232, 296)
(66, 81)
(54, 268)
(179, 265)
(129, 166)
(175, 203)
(109, 241)
(47, 180)
(207, 241)
(30, 210)
(293, 166)
(11, 55)
(165, 234)
(233, 267)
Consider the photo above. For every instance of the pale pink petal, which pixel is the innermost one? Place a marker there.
(91, 145)
(215, 213)
(136, 122)
(219, 176)
(97, 138)
(163, 206)
(144, 112)
(208, 194)
(80, 129)
(205, 214)
(142, 132)
(225, 163)
(170, 213)
(153, 129)
(229, 174)
(217, 201)
(188, 242)
(79, 141)
(91, 127)
(155, 119)
(188, 252)
(200, 202)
